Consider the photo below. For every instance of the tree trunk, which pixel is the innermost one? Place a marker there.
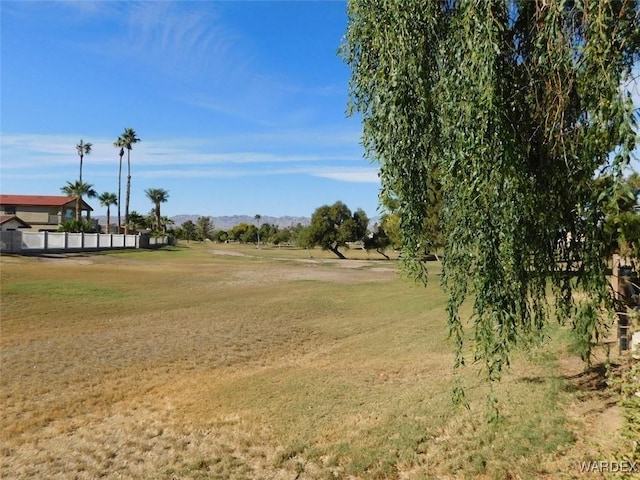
(120, 189)
(126, 207)
(338, 253)
(382, 253)
(78, 199)
(80, 168)
(108, 220)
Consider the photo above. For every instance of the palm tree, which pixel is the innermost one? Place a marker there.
(77, 190)
(167, 222)
(128, 138)
(157, 196)
(83, 149)
(119, 143)
(136, 220)
(106, 200)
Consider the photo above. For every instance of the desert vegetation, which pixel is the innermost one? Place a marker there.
(226, 361)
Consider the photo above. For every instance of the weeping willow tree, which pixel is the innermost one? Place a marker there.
(517, 109)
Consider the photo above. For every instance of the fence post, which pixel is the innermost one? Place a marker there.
(46, 240)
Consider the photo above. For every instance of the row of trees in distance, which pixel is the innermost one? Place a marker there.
(332, 228)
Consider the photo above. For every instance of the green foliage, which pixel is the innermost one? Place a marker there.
(501, 112)
(332, 226)
(136, 221)
(157, 196)
(622, 226)
(250, 234)
(77, 226)
(267, 232)
(219, 236)
(625, 381)
(303, 238)
(83, 149)
(378, 241)
(298, 232)
(204, 228)
(77, 190)
(126, 141)
(281, 236)
(186, 231)
(107, 199)
(244, 233)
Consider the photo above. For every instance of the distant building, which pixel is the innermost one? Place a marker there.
(40, 213)
(11, 222)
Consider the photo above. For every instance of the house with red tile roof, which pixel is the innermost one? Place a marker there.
(42, 213)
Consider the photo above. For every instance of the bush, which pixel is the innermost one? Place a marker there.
(74, 226)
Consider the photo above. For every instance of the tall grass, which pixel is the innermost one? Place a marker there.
(218, 361)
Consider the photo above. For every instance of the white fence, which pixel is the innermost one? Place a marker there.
(39, 242)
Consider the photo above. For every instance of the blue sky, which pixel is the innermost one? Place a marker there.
(240, 106)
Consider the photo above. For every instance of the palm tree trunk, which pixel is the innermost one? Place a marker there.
(158, 216)
(120, 189)
(126, 208)
(108, 219)
(78, 199)
(80, 168)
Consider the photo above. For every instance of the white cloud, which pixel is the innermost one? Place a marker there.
(359, 175)
(314, 154)
(181, 38)
(29, 150)
(352, 175)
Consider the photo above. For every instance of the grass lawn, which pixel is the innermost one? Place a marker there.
(225, 361)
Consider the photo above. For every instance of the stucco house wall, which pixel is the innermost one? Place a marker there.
(11, 222)
(42, 212)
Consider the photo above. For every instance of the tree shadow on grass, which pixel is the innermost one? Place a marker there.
(592, 379)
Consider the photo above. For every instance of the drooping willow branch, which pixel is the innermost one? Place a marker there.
(515, 110)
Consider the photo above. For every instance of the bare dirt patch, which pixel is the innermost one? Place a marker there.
(594, 414)
(229, 253)
(284, 269)
(316, 272)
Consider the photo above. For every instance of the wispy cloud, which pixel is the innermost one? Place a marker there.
(179, 38)
(318, 154)
(272, 146)
(187, 40)
(354, 175)
(210, 64)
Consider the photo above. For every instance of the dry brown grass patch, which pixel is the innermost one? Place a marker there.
(189, 363)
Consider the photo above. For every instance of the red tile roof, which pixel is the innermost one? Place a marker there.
(35, 200)
(41, 200)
